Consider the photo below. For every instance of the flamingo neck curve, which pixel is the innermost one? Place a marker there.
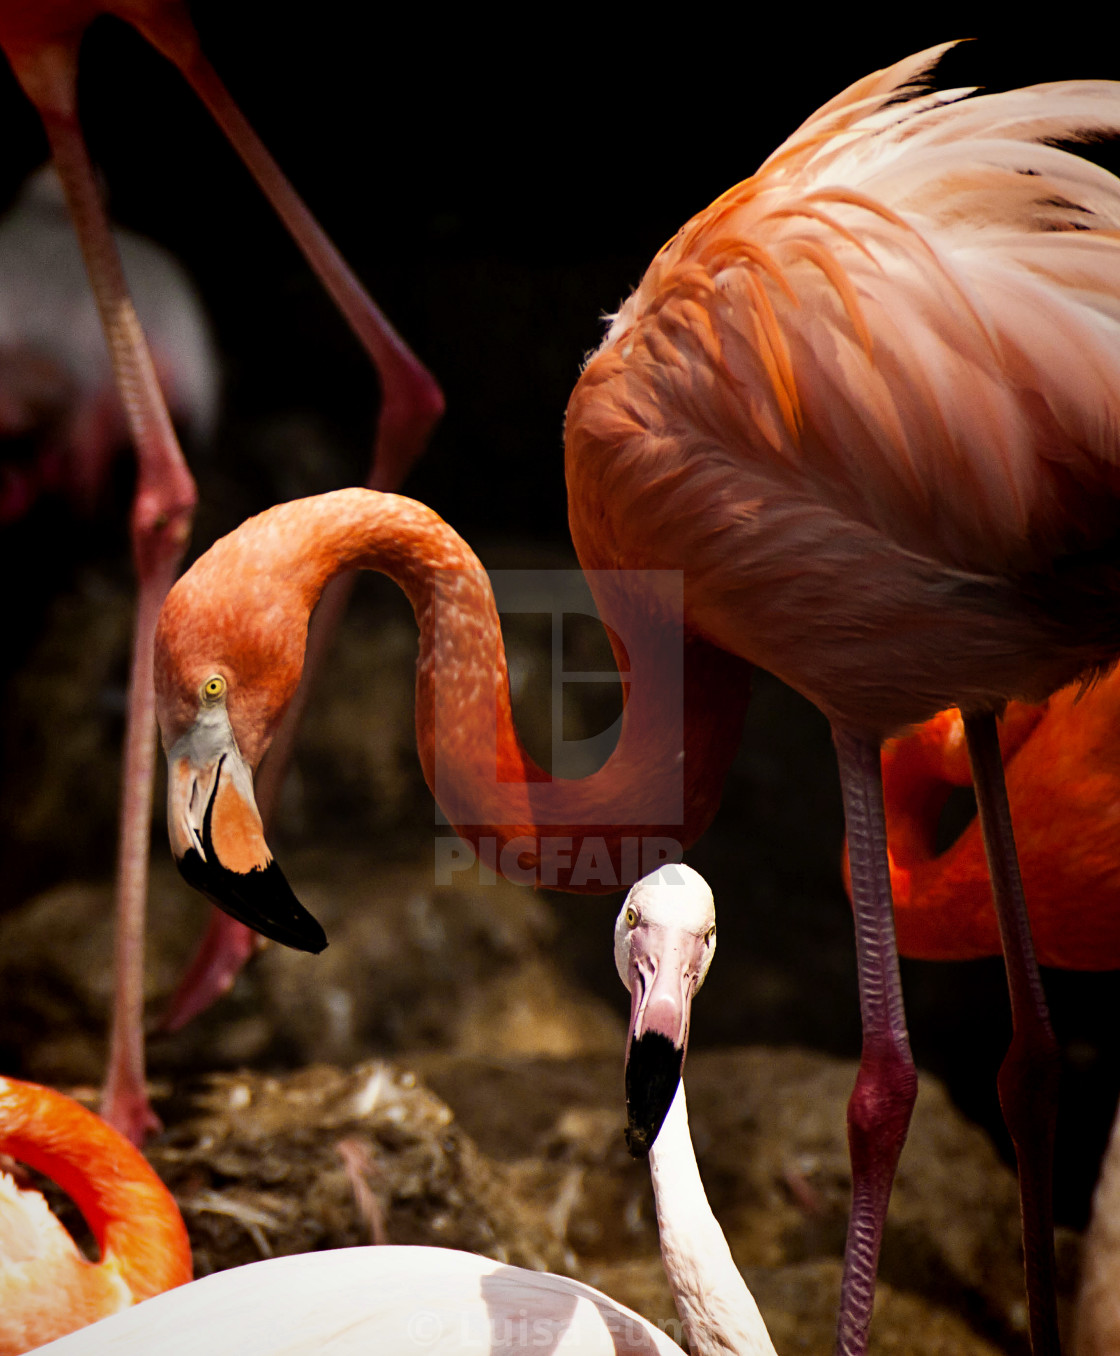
(656, 792)
(131, 1214)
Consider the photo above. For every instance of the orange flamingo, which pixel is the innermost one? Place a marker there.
(47, 1288)
(41, 39)
(865, 407)
(1063, 779)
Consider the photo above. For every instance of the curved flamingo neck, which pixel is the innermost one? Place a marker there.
(130, 1212)
(718, 1311)
(254, 590)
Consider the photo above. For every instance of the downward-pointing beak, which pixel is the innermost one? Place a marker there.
(218, 840)
(665, 963)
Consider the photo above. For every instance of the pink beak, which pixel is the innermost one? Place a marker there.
(663, 972)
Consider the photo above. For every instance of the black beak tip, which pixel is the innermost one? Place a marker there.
(262, 899)
(653, 1071)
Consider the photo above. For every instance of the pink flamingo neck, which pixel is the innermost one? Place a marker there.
(656, 792)
(131, 1213)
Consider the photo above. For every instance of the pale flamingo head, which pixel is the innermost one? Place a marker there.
(664, 940)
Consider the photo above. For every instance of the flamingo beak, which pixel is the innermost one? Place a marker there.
(218, 840)
(664, 968)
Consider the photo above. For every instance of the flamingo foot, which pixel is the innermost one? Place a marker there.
(223, 951)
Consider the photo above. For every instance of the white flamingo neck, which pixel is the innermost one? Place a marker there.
(718, 1311)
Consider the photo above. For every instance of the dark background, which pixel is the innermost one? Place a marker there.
(499, 187)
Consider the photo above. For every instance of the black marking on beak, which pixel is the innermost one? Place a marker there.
(653, 1070)
(262, 899)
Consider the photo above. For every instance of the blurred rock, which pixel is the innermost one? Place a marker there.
(411, 966)
(256, 1167)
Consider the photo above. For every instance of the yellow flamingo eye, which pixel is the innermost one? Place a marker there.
(710, 935)
(631, 917)
(214, 688)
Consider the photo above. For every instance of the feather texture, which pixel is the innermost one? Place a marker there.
(889, 360)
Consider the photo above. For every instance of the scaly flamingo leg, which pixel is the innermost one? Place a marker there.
(411, 401)
(1029, 1075)
(887, 1083)
(160, 527)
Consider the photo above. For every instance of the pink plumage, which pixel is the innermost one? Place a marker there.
(878, 384)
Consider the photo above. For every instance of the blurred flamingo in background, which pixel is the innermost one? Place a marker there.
(61, 417)
(1062, 759)
(867, 403)
(41, 39)
(47, 1287)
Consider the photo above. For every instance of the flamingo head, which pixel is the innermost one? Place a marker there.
(225, 672)
(664, 939)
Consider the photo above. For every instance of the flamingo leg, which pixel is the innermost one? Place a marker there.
(1029, 1075)
(411, 401)
(887, 1082)
(160, 524)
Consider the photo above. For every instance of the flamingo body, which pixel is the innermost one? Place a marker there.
(869, 402)
(46, 1286)
(391, 1299)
